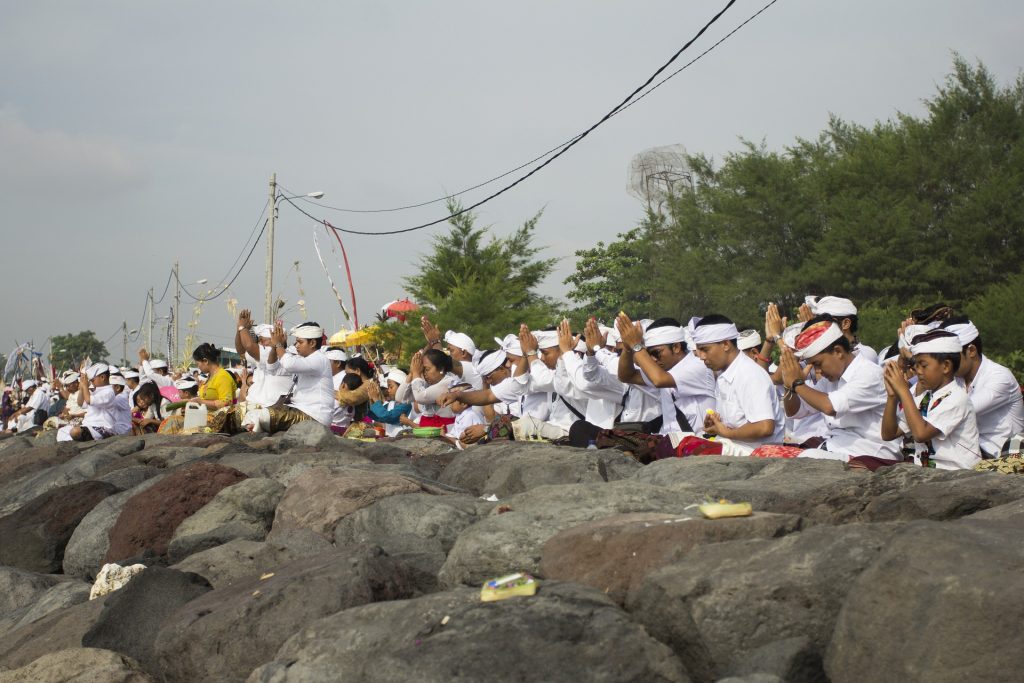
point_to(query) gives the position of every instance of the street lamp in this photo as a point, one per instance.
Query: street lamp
(268, 310)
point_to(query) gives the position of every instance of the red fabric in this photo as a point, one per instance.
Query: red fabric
(811, 334)
(435, 421)
(694, 445)
(776, 451)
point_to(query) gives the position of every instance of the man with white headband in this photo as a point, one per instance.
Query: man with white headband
(658, 357)
(845, 315)
(269, 381)
(36, 399)
(313, 395)
(992, 389)
(749, 412)
(941, 420)
(849, 392)
(99, 403)
(154, 369)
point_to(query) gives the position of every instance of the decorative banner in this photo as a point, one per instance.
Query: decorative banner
(316, 245)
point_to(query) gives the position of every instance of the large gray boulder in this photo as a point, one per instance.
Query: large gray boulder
(225, 634)
(565, 632)
(83, 556)
(242, 511)
(614, 554)
(61, 595)
(721, 605)
(34, 536)
(58, 630)
(417, 528)
(82, 467)
(285, 467)
(701, 470)
(134, 614)
(79, 665)
(510, 539)
(943, 602)
(506, 468)
(234, 561)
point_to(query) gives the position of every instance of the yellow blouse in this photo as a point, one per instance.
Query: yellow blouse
(220, 387)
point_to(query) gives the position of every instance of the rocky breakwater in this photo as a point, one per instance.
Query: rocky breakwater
(306, 557)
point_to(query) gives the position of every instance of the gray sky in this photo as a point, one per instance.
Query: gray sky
(133, 134)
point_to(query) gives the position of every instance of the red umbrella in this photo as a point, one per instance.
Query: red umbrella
(399, 308)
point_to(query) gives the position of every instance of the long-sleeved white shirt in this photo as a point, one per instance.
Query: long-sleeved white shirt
(314, 384)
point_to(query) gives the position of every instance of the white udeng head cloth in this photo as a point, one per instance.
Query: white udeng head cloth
(831, 305)
(460, 340)
(669, 334)
(936, 341)
(97, 369)
(397, 376)
(307, 332)
(492, 362)
(546, 339)
(711, 334)
(157, 363)
(748, 339)
(336, 354)
(910, 332)
(967, 332)
(264, 331)
(182, 384)
(510, 344)
(815, 339)
(28, 384)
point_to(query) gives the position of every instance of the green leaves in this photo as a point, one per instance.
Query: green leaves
(69, 350)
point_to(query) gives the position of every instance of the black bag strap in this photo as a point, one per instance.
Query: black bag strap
(569, 406)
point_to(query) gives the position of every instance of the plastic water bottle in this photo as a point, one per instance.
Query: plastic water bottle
(591, 445)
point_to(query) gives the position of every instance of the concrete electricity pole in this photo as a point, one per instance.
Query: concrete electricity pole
(149, 321)
(177, 306)
(268, 310)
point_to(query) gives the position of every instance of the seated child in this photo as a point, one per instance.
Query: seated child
(388, 411)
(941, 421)
(464, 417)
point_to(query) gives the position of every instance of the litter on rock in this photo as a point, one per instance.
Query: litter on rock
(513, 585)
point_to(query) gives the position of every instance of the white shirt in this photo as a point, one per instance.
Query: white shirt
(745, 393)
(101, 410)
(603, 392)
(467, 418)
(314, 384)
(693, 395)
(866, 351)
(427, 395)
(342, 415)
(158, 379)
(949, 410)
(269, 382)
(998, 405)
(858, 399)
(554, 385)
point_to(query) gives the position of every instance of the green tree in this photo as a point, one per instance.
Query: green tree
(612, 277)
(477, 283)
(69, 350)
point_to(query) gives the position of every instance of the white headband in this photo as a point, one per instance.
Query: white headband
(336, 354)
(710, 334)
(186, 384)
(460, 340)
(546, 339)
(131, 374)
(816, 345)
(492, 362)
(397, 376)
(947, 342)
(157, 363)
(264, 330)
(117, 380)
(28, 384)
(910, 332)
(659, 336)
(510, 344)
(967, 332)
(832, 305)
(73, 377)
(748, 339)
(97, 369)
(307, 332)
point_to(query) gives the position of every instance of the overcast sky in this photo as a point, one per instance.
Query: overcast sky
(134, 134)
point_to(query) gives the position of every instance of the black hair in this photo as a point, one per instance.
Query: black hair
(352, 381)
(963, 320)
(319, 341)
(933, 313)
(440, 360)
(716, 319)
(893, 350)
(359, 364)
(152, 392)
(207, 352)
(193, 391)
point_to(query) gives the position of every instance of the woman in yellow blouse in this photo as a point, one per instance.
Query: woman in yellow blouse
(219, 390)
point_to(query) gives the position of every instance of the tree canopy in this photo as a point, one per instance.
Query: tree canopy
(904, 213)
(69, 350)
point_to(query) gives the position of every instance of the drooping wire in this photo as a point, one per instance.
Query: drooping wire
(227, 286)
(569, 142)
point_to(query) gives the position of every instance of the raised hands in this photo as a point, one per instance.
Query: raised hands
(245, 318)
(895, 382)
(566, 341)
(526, 340)
(430, 331)
(279, 337)
(790, 367)
(774, 324)
(593, 336)
(416, 365)
(632, 333)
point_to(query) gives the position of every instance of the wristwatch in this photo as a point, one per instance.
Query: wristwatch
(637, 348)
(796, 383)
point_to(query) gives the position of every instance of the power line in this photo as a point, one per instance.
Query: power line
(237, 273)
(166, 287)
(525, 176)
(571, 141)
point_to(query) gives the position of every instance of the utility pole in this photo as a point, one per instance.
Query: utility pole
(177, 306)
(124, 342)
(268, 311)
(149, 323)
